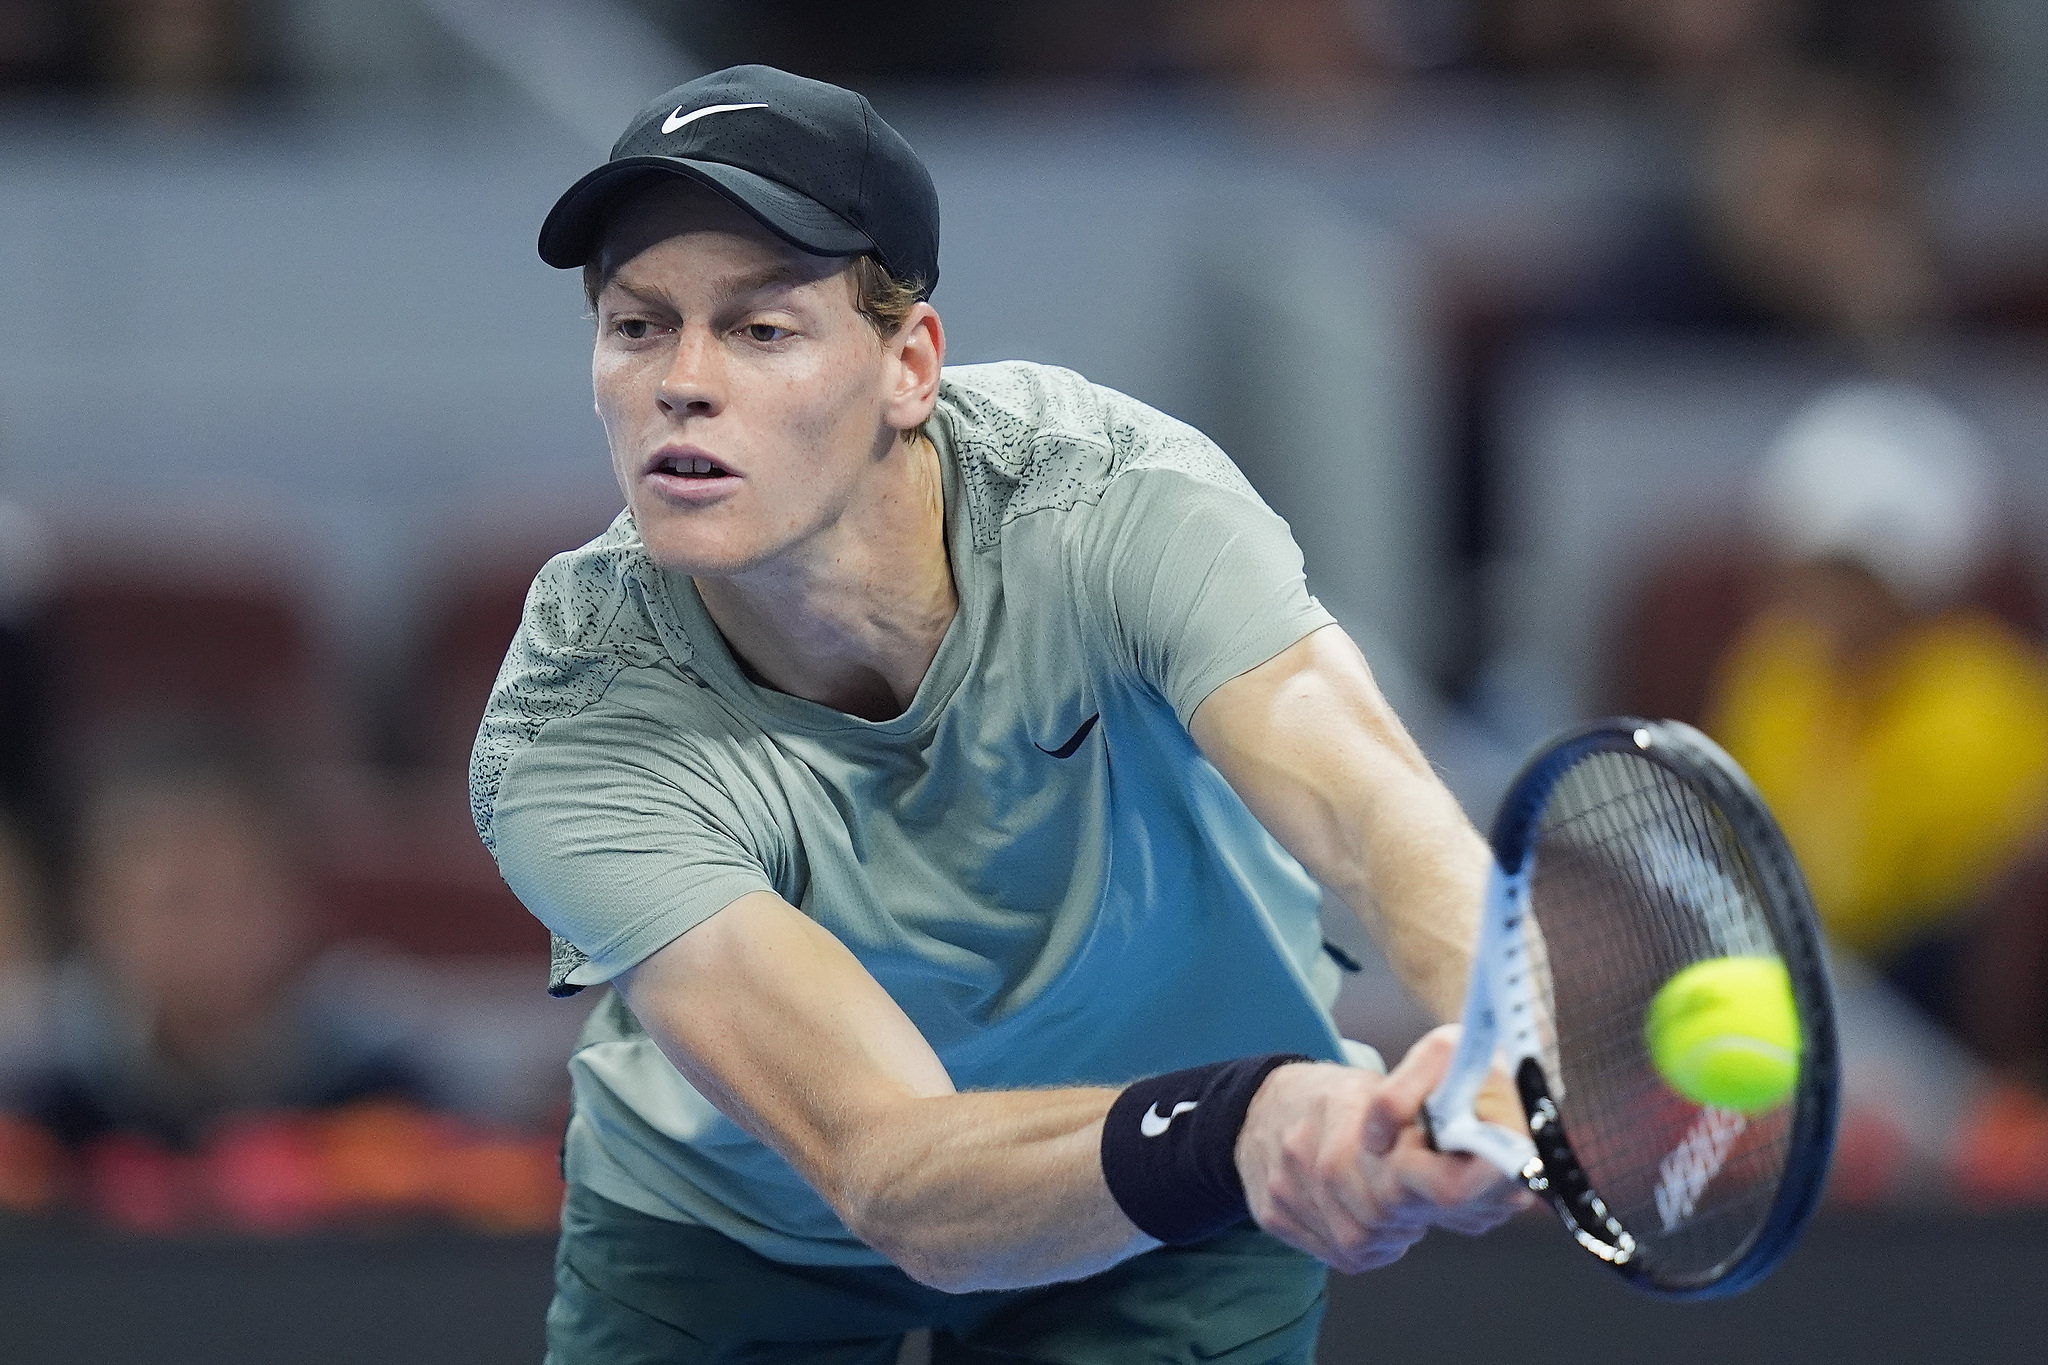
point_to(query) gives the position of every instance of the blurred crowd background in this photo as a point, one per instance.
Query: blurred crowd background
(1673, 357)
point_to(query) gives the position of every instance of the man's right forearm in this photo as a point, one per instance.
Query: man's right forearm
(776, 1023)
(991, 1190)
(1005, 1190)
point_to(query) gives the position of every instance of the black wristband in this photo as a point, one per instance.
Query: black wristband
(1169, 1147)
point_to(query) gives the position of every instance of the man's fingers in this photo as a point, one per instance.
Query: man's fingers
(1353, 1219)
(1398, 1100)
(1335, 1164)
(1441, 1179)
(1464, 1193)
(1412, 1189)
(1398, 1104)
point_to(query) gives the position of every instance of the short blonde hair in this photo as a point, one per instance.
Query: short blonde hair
(881, 298)
(886, 302)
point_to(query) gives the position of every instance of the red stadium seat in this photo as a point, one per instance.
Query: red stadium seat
(466, 628)
(129, 643)
(401, 865)
(465, 643)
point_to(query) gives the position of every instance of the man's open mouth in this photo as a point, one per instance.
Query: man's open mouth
(690, 467)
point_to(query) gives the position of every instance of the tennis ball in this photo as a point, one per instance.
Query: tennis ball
(1725, 1032)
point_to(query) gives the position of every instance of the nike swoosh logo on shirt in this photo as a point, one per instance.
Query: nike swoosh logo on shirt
(1154, 1123)
(1067, 750)
(679, 118)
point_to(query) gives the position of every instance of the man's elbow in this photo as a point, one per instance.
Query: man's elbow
(947, 1274)
(917, 1244)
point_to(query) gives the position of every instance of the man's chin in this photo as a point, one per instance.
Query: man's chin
(692, 556)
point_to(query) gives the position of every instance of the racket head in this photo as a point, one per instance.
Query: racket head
(1646, 849)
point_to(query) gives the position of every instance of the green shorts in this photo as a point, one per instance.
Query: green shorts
(636, 1290)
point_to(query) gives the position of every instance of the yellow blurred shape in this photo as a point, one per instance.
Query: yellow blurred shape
(1904, 785)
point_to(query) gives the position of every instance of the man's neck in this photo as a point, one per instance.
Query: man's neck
(855, 621)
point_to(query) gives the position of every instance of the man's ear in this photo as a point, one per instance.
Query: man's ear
(917, 353)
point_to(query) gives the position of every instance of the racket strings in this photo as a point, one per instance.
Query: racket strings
(1637, 875)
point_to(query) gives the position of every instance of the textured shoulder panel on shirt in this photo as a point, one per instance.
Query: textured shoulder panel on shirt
(1027, 437)
(1030, 438)
(588, 615)
(1145, 438)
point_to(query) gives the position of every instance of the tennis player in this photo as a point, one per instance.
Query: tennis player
(940, 766)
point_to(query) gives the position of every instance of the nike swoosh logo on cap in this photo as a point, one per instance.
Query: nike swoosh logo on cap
(1154, 1123)
(679, 118)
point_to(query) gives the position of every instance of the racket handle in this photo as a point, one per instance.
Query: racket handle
(1449, 1119)
(1508, 1151)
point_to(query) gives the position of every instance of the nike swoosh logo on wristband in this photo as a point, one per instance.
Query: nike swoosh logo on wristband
(1154, 1123)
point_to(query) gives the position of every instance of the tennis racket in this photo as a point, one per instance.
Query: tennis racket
(1625, 852)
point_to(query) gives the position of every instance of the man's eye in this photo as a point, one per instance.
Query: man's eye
(633, 329)
(765, 331)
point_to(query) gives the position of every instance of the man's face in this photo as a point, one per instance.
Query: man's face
(743, 396)
(194, 908)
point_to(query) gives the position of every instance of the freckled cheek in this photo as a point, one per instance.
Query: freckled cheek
(625, 399)
(608, 391)
(827, 410)
(617, 443)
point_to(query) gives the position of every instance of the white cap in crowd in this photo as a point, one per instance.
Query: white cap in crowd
(1885, 476)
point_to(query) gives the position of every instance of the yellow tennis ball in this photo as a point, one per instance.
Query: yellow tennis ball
(1725, 1032)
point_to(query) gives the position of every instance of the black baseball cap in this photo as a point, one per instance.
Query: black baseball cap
(814, 163)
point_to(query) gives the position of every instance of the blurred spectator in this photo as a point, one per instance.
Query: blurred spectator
(1807, 219)
(182, 1003)
(194, 1070)
(23, 940)
(1900, 736)
(184, 51)
(24, 966)
(1803, 218)
(1701, 46)
(1282, 42)
(26, 567)
(1285, 43)
(172, 54)
(1691, 40)
(44, 44)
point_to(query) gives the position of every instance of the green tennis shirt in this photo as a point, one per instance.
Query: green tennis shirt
(1034, 860)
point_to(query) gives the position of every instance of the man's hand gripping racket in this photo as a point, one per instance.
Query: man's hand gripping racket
(1643, 915)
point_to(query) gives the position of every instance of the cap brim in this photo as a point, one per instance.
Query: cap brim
(570, 235)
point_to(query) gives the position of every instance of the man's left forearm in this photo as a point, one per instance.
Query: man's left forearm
(1419, 888)
(1314, 750)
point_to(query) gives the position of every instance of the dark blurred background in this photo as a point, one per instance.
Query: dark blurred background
(1676, 357)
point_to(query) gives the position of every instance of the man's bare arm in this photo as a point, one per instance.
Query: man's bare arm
(1314, 750)
(778, 1024)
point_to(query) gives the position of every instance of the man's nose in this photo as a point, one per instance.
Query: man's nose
(693, 385)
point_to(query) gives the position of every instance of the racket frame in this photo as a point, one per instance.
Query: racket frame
(1502, 1009)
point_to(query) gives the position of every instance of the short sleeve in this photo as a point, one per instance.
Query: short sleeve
(621, 835)
(1193, 580)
